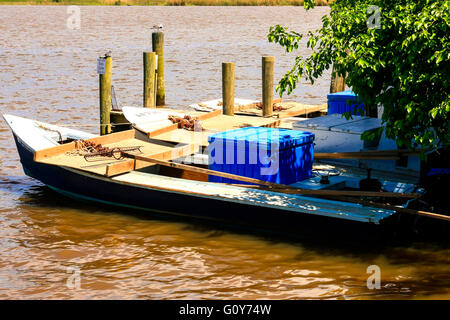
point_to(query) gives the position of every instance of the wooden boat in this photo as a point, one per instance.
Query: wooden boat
(48, 153)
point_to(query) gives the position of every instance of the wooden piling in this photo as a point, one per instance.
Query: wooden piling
(105, 82)
(337, 82)
(228, 88)
(158, 48)
(149, 79)
(267, 85)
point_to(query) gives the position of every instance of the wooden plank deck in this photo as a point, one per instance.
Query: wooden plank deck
(64, 155)
(212, 125)
(185, 137)
(292, 109)
(162, 138)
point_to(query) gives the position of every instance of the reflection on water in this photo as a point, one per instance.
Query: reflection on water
(48, 72)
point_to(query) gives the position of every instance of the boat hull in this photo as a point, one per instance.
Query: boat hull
(90, 187)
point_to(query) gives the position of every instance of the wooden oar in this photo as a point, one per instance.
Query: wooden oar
(358, 201)
(355, 156)
(370, 154)
(335, 194)
(395, 208)
(285, 188)
(363, 202)
(291, 190)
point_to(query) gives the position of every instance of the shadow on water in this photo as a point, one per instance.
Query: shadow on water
(41, 196)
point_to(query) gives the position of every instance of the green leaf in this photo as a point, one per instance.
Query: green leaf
(403, 65)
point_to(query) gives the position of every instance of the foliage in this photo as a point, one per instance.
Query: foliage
(401, 63)
(168, 2)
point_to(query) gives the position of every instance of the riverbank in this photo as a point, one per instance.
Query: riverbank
(163, 2)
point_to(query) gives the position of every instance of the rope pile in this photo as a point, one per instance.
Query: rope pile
(91, 150)
(276, 107)
(83, 148)
(187, 122)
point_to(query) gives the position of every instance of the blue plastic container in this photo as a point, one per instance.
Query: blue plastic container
(270, 154)
(341, 102)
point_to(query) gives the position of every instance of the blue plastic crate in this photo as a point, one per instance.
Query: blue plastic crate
(338, 103)
(270, 154)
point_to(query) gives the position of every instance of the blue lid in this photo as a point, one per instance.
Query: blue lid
(284, 138)
(342, 96)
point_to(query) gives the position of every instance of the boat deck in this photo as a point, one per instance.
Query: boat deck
(289, 202)
(292, 109)
(215, 124)
(66, 155)
(249, 107)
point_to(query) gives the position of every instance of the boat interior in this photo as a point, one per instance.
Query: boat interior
(325, 176)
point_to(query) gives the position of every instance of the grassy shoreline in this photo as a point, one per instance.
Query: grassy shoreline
(163, 2)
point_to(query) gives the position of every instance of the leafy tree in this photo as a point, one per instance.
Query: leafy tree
(394, 53)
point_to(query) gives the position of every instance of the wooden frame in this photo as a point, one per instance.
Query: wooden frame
(266, 185)
(63, 148)
(255, 105)
(137, 163)
(153, 133)
(210, 114)
(369, 154)
(301, 112)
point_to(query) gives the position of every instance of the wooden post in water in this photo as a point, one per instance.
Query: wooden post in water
(267, 85)
(228, 88)
(149, 79)
(104, 69)
(158, 48)
(337, 83)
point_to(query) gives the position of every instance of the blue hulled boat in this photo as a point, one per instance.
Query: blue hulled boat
(47, 154)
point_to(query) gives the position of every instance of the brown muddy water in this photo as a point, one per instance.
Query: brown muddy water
(47, 72)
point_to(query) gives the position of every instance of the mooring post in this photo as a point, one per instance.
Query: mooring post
(267, 85)
(149, 79)
(337, 82)
(228, 88)
(158, 48)
(104, 69)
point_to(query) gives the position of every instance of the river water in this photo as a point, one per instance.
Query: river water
(48, 72)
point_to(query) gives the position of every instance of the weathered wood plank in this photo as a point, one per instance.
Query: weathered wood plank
(369, 154)
(162, 130)
(118, 168)
(137, 163)
(209, 115)
(275, 186)
(301, 111)
(174, 126)
(114, 137)
(53, 151)
(63, 148)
